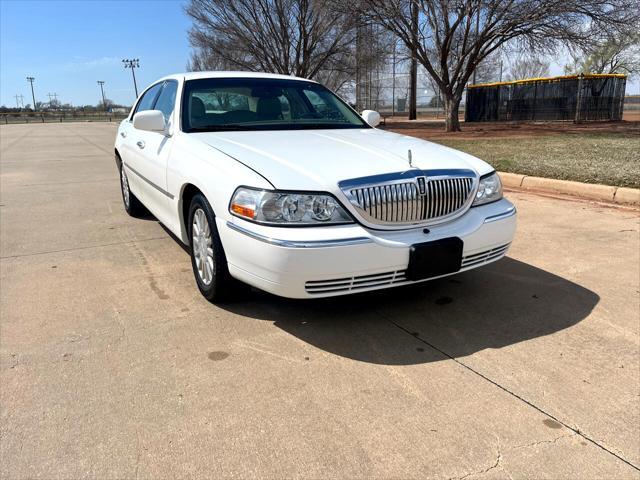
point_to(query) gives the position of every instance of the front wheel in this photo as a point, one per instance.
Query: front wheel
(207, 255)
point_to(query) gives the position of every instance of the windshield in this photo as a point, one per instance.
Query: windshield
(222, 104)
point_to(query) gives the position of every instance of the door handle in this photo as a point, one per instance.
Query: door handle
(140, 143)
(123, 134)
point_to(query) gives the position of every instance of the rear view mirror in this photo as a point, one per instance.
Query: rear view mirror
(149, 120)
(371, 117)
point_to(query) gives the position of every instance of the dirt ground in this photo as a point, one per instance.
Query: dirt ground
(432, 130)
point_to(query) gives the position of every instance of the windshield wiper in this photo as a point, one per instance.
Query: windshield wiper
(222, 128)
(235, 127)
(328, 125)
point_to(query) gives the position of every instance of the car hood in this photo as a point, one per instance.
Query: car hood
(319, 159)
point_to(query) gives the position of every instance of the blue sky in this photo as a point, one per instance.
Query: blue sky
(69, 45)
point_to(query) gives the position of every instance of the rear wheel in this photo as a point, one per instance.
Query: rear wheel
(207, 255)
(132, 205)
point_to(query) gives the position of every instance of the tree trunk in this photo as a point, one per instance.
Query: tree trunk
(413, 90)
(451, 111)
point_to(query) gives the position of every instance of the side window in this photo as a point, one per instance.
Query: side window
(147, 100)
(324, 106)
(315, 100)
(167, 99)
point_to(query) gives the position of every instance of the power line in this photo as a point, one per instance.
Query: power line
(132, 64)
(33, 95)
(54, 95)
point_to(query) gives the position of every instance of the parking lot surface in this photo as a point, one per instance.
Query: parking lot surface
(113, 366)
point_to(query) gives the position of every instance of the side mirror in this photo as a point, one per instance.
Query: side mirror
(150, 120)
(371, 117)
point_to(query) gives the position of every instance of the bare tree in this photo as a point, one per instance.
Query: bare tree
(106, 105)
(454, 36)
(305, 38)
(528, 66)
(611, 55)
(489, 69)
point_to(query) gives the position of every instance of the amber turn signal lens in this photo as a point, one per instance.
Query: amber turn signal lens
(243, 211)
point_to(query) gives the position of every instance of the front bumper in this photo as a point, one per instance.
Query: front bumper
(326, 261)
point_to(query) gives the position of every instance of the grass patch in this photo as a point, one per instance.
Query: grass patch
(611, 159)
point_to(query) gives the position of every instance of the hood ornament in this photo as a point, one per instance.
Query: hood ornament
(410, 159)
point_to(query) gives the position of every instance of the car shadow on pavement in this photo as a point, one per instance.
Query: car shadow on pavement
(499, 305)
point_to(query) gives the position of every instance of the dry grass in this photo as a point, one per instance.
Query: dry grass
(611, 159)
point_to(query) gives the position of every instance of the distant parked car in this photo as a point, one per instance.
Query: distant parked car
(275, 182)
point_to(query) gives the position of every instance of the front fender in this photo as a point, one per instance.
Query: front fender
(193, 164)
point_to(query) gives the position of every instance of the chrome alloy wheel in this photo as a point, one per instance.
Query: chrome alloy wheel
(201, 244)
(125, 186)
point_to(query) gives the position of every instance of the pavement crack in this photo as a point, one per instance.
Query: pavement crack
(88, 247)
(495, 465)
(540, 442)
(513, 394)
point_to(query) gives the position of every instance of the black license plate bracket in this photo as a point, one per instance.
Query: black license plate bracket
(432, 259)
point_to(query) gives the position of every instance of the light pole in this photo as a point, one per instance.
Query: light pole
(33, 95)
(132, 64)
(104, 102)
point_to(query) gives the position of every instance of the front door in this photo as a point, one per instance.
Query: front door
(150, 154)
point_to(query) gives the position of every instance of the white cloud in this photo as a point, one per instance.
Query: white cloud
(90, 64)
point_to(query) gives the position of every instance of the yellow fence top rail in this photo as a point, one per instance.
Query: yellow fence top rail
(550, 79)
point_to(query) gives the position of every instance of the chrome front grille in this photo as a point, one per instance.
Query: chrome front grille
(421, 198)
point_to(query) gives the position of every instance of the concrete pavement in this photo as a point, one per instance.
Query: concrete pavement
(113, 366)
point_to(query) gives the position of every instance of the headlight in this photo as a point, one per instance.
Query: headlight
(489, 189)
(287, 208)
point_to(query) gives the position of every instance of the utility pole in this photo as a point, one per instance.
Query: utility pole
(55, 98)
(104, 102)
(413, 76)
(132, 64)
(33, 95)
(19, 100)
(393, 85)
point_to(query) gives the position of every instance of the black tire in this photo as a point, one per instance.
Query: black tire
(222, 287)
(132, 205)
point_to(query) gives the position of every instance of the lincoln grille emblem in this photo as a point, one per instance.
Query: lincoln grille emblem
(422, 185)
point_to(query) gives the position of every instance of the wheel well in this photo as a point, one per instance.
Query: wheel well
(188, 192)
(118, 159)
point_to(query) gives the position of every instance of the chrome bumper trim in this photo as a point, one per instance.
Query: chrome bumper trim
(340, 242)
(500, 216)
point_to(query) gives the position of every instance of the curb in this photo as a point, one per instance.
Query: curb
(591, 191)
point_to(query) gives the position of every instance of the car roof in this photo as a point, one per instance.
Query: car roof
(230, 74)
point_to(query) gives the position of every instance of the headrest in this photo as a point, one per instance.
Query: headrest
(197, 108)
(269, 108)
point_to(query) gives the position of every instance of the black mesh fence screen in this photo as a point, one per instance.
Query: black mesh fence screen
(585, 98)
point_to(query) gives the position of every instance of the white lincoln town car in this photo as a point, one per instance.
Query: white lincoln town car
(275, 182)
